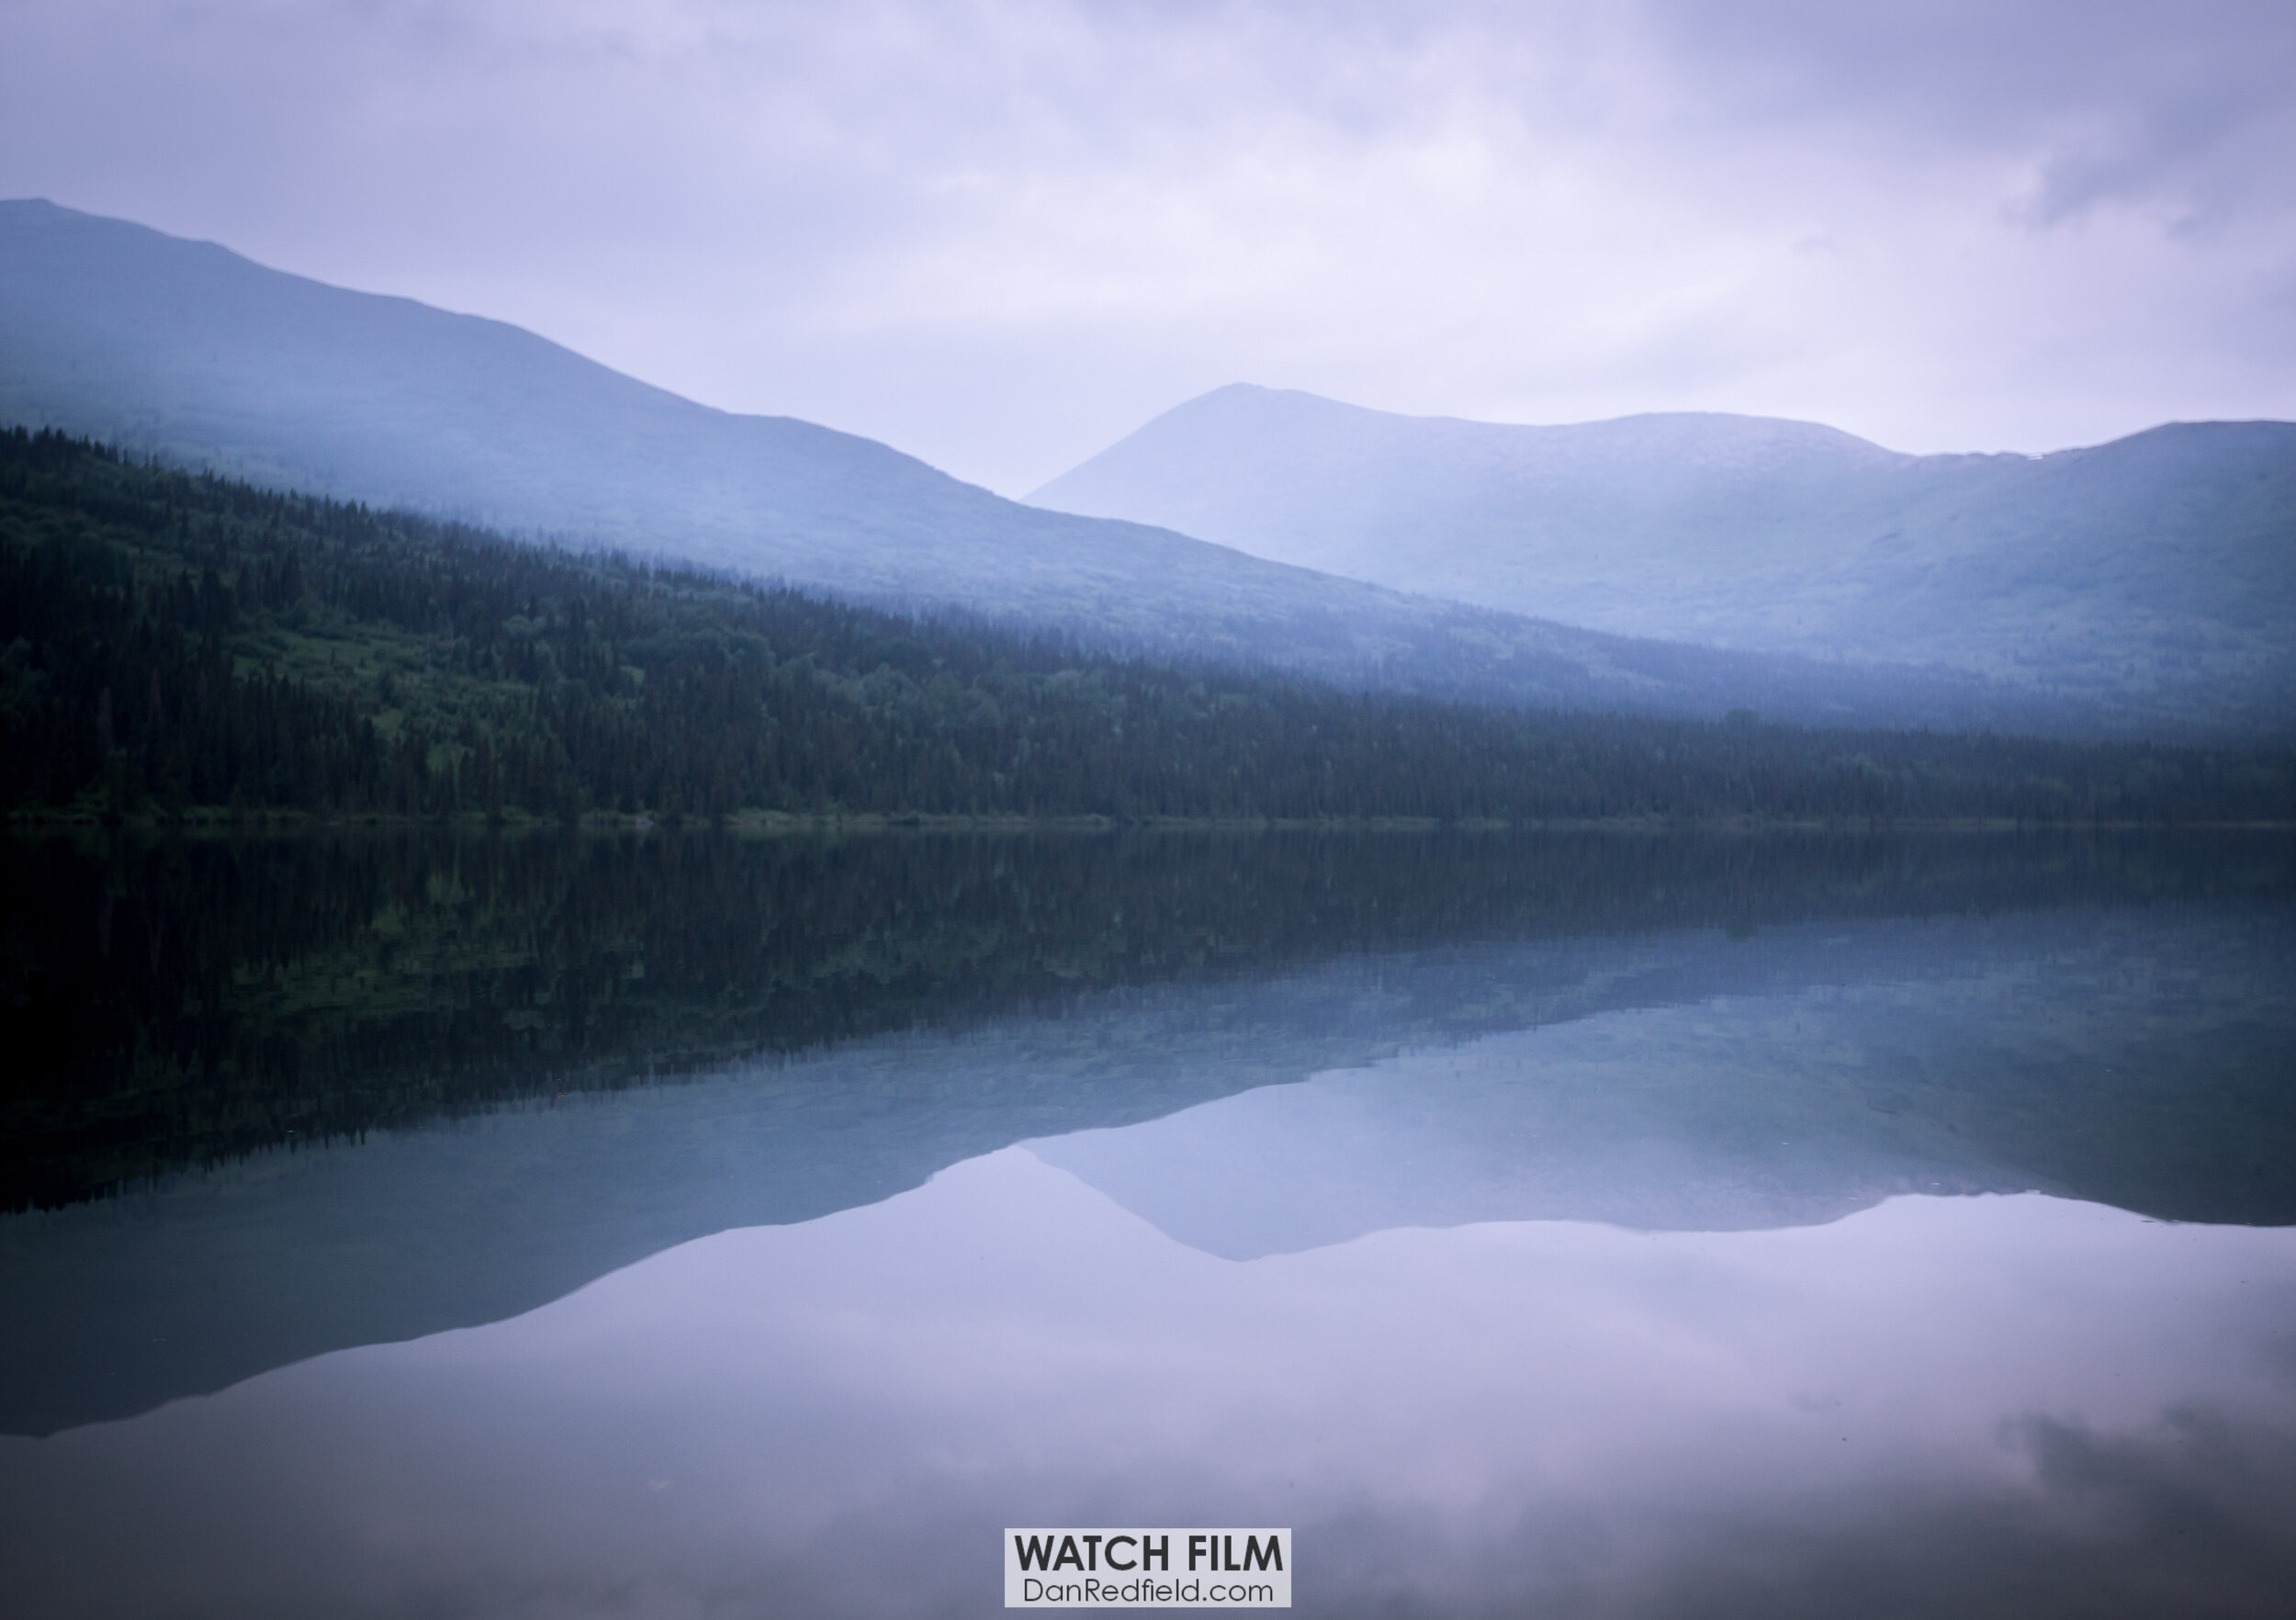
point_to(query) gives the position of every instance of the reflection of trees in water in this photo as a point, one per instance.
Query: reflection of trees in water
(175, 1003)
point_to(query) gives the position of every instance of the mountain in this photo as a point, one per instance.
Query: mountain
(178, 645)
(189, 353)
(2159, 568)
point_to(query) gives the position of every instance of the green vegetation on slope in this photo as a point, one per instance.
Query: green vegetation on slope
(169, 641)
(189, 352)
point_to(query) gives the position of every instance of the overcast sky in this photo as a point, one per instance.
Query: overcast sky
(1002, 235)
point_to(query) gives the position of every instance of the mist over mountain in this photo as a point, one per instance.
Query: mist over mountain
(2157, 568)
(187, 351)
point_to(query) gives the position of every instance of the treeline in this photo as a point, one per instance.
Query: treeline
(170, 642)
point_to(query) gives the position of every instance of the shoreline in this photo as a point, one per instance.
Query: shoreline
(780, 823)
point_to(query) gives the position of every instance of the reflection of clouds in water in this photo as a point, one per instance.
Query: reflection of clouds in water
(1927, 1407)
(2186, 1514)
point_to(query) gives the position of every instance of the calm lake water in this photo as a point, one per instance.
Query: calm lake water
(1585, 1225)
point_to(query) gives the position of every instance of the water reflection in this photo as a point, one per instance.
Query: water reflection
(2142, 1059)
(1982, 1405)
(178, 1004)
(1584, 1225)
(1682, 1079)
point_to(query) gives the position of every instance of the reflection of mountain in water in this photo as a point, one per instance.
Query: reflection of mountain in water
(2122, 1051)
(2141, 1060)
(176, 1004)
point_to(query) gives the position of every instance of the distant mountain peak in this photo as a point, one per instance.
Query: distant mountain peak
(2163, 562)
(1221, 424)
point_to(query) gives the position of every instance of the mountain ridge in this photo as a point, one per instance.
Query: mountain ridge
(194, 354)
(2159, 566)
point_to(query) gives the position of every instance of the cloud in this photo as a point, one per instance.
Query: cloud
(2179, 108)
(1001, 234)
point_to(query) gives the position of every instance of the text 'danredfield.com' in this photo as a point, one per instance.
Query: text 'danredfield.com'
(1147, 1568)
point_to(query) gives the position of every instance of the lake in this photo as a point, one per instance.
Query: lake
(1563, 1224)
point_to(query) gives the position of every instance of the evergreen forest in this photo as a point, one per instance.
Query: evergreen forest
(175, 645)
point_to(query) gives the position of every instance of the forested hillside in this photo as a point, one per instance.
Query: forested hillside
(174, 642)
(186, 352)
